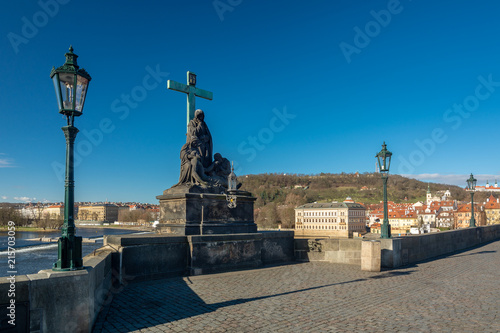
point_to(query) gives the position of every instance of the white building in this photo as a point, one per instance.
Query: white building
(488, 187)
(337, 219)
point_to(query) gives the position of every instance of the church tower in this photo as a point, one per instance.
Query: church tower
(429, 195)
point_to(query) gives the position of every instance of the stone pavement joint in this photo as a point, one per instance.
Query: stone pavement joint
(458, 293)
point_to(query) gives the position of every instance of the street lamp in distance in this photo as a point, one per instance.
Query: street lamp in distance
(384, 162)
(471, 187)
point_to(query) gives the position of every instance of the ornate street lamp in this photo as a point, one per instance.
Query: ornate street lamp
(471, 187)
(384, 162)
(70, 83)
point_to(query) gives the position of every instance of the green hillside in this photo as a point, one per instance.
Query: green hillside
(278, 194)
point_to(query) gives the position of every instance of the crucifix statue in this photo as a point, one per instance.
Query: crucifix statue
(191, 91)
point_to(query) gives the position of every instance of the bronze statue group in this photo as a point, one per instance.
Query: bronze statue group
(197, 166)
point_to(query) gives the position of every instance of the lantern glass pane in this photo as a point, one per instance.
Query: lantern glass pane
(81, 92)
(55, 79)
(67, 82)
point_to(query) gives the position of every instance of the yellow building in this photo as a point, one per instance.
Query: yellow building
(99, 213)
(492, 211)
(401, 221)
(335, 219)
(462, 216)
(54, 212)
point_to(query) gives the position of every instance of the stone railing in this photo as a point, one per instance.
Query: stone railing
(339, 251)
(393, 252)
(59, 301)
(144, 257)
(70, 301)
(407, 250)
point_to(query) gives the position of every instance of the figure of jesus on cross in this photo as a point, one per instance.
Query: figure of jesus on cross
(191, 91)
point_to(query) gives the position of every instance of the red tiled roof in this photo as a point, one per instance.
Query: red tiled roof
(492, 203)
(466, 208)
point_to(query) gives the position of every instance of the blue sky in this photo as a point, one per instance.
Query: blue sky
(298, 88)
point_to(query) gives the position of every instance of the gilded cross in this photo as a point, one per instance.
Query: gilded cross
(191, 91)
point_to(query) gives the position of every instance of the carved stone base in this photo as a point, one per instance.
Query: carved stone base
(183, 211)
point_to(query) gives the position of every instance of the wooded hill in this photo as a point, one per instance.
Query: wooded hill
(278, 194)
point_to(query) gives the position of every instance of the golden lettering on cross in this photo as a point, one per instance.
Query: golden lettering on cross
(191, 91)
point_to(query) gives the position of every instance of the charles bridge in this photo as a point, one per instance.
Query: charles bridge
(456, 293)
(267, 282)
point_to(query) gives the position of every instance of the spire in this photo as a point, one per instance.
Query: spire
(428, 188)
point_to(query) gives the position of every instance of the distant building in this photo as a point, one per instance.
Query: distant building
(438, 196)
(463, 215)
(402, 221)
(375, 228)
(444, 219)
(99, 213)
(32, 211)
(54, 212)
(335, 219)
(488, 188)
(427, 216)
(155, 213)
(492, 211)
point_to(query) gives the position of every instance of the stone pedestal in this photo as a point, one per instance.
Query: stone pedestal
(193, 211)
(370, 256)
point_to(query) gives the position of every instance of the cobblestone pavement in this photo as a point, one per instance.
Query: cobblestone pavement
(459, 293)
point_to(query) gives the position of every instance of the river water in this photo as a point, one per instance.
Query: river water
(33, 256)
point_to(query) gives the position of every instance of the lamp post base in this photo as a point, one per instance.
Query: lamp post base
(69, 254)
(385, 230)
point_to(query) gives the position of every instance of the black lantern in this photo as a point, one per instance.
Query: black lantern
(71, 83)
(384, 159)
(471, 183)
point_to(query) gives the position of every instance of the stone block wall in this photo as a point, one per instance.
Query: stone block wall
(277, 247)
(215, 253)
(143, 257)
(153, 256)
(61, 301)
(340, 251)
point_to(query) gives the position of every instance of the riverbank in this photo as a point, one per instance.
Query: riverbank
(34, 229)
(37, 249)
(112, 226)
(117, 226)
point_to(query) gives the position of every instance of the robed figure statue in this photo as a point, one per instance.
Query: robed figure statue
(198, 166)
(200, 138)
(192, 170)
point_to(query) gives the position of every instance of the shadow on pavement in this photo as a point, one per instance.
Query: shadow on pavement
(163, 301)
(473, 254)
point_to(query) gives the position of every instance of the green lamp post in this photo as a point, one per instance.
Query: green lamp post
(70, 83)
(384, 162)
(471, 187)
